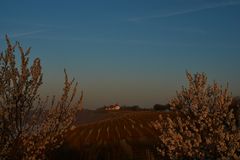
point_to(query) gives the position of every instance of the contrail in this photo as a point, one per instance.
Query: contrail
(25, 33)
(219, 5)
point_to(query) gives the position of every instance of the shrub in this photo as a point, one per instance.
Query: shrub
(131, 108)
(203, 125)
(160, 107)
(29, 127)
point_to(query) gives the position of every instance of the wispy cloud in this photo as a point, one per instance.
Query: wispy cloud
(14, 35)
(187, 11)
(51, 26)
(22, 34)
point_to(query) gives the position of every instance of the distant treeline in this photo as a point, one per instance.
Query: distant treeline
(166, 107)
(132, 108)
(156, 107)
(161, 107)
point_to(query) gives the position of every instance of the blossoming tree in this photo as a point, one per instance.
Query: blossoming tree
(202, 124)
(30, 127)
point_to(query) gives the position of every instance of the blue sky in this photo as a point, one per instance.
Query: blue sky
(128, 51)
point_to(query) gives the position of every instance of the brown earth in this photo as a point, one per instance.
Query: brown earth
(118, 135)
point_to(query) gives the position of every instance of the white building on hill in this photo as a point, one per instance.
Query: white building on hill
(112, 107)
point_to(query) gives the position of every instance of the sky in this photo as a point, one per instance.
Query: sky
(131, 52)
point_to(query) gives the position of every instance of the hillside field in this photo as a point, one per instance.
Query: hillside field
(112, 135)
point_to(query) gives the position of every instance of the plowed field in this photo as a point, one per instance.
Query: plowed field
(122, 135)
